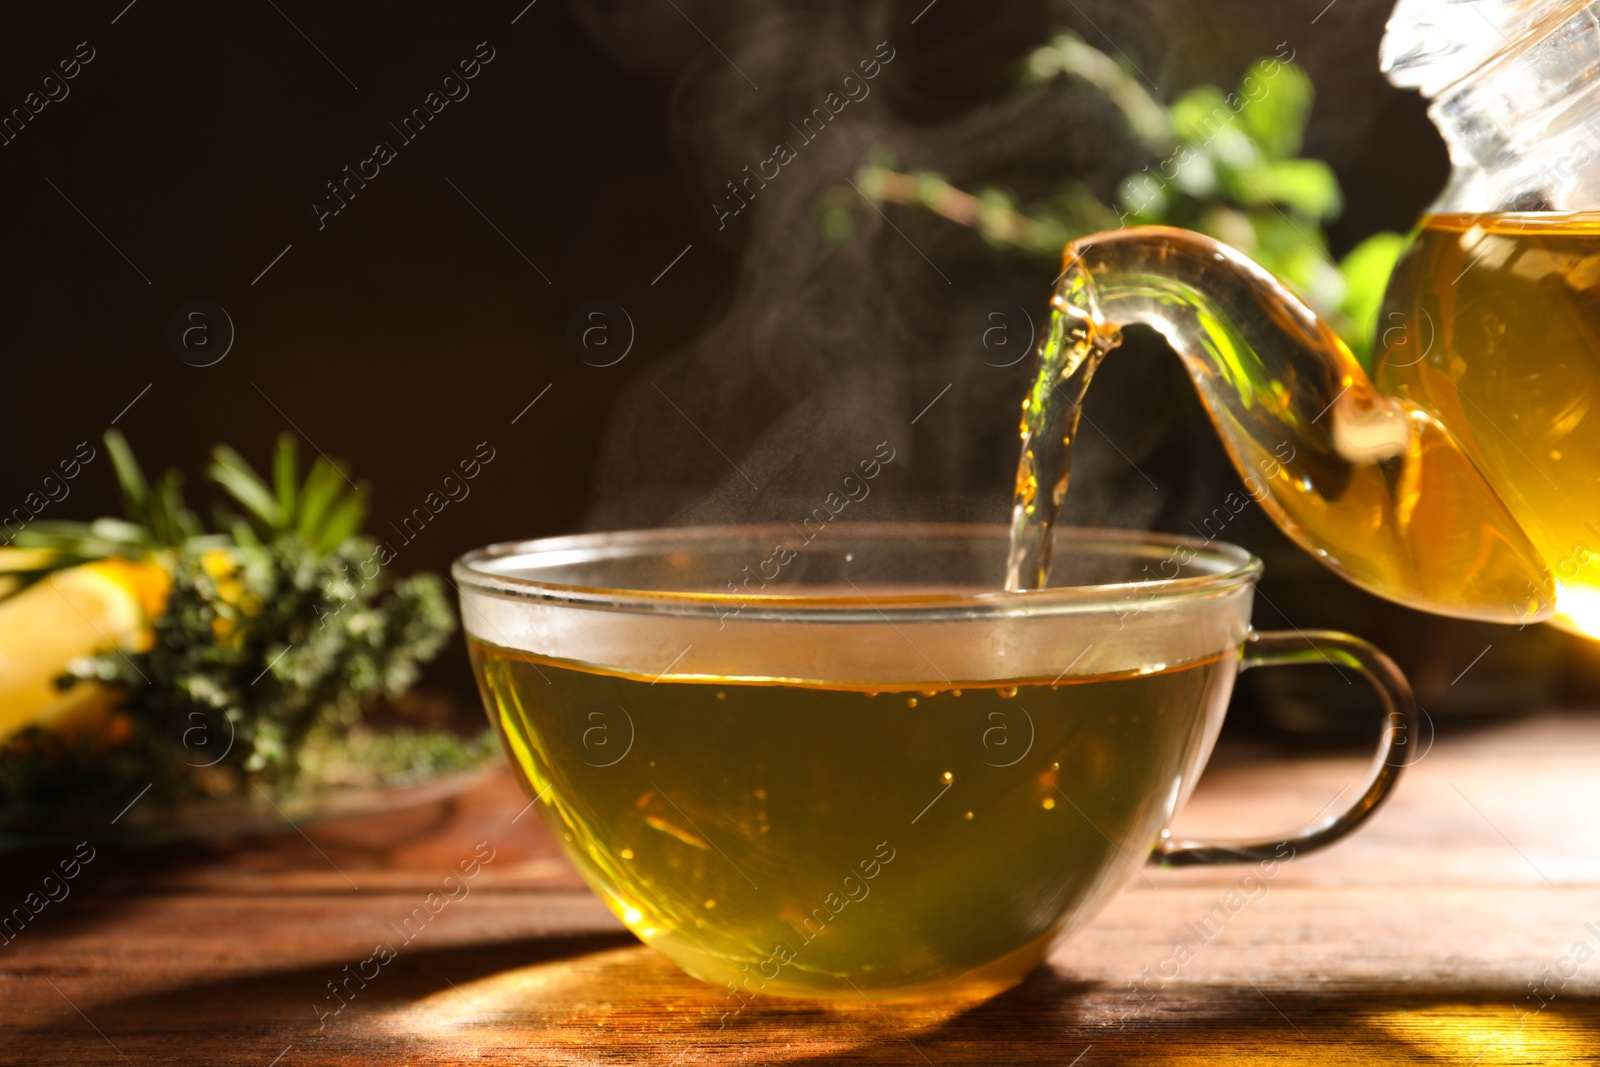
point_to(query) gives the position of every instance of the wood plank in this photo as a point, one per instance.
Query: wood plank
(1414, 942)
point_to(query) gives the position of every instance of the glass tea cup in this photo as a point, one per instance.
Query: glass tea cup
(851, 764)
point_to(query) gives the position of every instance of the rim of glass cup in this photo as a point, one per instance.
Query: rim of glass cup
(1230, 566)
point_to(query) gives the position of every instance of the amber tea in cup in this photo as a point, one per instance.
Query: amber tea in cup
(875, 773)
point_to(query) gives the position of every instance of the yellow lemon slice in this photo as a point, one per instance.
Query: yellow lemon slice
(71, 613)
(24, 559)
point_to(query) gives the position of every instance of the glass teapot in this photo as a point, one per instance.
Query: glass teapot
(1462, 477)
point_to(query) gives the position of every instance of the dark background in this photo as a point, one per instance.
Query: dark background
(414, 326)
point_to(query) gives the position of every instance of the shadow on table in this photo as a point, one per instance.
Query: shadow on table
(607, 999)
(237, 1019)
(116, 875)
(77, 889)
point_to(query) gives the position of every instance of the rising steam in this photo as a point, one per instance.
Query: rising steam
(828, 350)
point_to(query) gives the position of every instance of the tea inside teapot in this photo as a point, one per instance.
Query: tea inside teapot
(1498, 320)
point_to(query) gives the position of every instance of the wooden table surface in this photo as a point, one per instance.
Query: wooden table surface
(1417, 940)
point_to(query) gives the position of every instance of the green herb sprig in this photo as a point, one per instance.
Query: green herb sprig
(1226, 165)
(272, 640)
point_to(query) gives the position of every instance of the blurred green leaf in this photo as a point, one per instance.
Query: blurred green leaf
(1200, 114)
(166, 502)
(346, 518)
(322, 488)
(1305, 186)
(1068, 54)
(240, 480)
(285, 475)
(1366, 271)
(1275, 103)
(135, 491)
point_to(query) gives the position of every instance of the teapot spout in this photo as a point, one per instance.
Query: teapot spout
(1375, 487)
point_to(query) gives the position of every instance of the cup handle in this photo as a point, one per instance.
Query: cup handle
(1399, 710)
